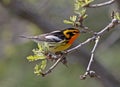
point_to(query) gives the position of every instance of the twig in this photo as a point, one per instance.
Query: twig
(53, 66)
(101, 4)
(96, 37)
(88, 71)
(108, 27)
(92, 52)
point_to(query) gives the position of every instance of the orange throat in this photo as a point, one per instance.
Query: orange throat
(73, 38)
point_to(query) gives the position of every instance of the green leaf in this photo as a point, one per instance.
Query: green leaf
(73, 18)
(40, 67)
(43, 64)
(117, 15)
(40, 47)
(82, 13)
(85, 16)
(76, 6)
(37, 70)
(36, 57)
(81, 3)
(39, 53)
(68, 22)
(31, 58)
(88, 1)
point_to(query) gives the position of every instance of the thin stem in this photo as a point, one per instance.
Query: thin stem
(101, 4)
(92, 52)
(108, 27)
(83, 43)
(53, 66)
(88, 71)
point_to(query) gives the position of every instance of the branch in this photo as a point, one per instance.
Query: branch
(101, 4)
(60, 58)
(96, 37)
(108, 27)
(88, 71)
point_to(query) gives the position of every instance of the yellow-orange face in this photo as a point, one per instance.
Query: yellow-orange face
(71, 34)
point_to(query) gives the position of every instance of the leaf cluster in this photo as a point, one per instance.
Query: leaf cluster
(80, 12)
(39, 54)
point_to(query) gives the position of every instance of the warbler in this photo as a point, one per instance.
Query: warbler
(56, 41)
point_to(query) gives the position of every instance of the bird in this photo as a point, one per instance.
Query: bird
(56, 41)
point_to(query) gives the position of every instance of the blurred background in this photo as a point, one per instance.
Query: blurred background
(34, 17)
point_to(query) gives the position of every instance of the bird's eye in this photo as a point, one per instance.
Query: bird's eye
(74, 32)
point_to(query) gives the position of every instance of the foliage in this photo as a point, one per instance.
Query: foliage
(39, 54)
(71, 21)
(40, 67)
(79, 10)
(117, 16)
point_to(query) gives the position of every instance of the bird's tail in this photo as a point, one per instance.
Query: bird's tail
(22, 36)
(33, 38)
(28, 37)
